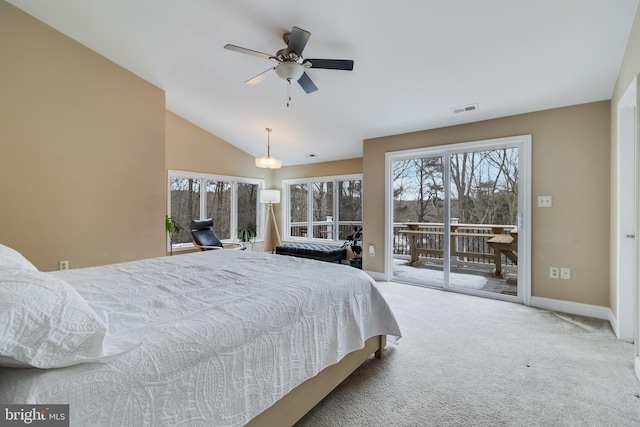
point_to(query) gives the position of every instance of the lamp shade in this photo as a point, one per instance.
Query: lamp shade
(268, 162)
(270, 196)
(290, 71)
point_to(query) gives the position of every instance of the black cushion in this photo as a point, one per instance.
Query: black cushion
(317, 251)
(203, 234)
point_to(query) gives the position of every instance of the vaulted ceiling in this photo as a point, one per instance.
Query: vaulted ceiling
(415, 62)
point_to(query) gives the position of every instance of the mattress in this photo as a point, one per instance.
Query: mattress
(222, 336)
(313, 250)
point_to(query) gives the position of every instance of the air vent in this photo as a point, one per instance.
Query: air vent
(465, 108)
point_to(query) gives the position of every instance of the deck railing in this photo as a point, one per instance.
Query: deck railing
(470, 246)
(469, 242)
(326, 230)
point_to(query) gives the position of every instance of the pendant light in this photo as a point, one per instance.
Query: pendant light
(268, 162)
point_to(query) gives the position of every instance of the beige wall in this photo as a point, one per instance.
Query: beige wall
(82, 143)
(340, 167)
(190, 148)
(570, 161)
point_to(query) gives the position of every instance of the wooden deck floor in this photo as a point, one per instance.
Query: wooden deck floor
(493, 284)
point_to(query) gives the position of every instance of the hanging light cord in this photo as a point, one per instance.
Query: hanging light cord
(269, 142)
(288, 92)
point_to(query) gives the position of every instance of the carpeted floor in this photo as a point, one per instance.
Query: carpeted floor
(469, 361)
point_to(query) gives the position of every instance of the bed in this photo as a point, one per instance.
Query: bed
(216, 338)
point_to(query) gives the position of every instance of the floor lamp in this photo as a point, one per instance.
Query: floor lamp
(271, 197)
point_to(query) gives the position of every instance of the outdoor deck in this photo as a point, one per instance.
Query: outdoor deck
(481, 254)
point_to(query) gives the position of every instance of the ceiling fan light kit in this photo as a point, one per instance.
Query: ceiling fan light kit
(268, 162)
(290, 71)
(291, 65)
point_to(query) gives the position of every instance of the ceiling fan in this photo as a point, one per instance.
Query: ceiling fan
(290, 65)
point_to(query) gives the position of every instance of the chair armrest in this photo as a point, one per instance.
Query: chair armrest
(206, 247)
(232, 245)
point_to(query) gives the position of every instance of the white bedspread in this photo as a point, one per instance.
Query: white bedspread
(224, 335)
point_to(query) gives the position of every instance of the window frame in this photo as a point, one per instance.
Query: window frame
(286, 204)
(234, 181)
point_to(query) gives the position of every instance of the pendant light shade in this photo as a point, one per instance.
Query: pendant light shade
(268, 162)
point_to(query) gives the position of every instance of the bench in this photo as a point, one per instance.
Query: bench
(319, 251)
(507, 245)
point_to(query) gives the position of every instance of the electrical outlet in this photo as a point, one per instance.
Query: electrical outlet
(554, 272)
(545, 201)
(565, 273)
(63, 265)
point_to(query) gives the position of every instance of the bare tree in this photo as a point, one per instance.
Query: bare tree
(483, 187)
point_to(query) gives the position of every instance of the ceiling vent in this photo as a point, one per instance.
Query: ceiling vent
(465, 108)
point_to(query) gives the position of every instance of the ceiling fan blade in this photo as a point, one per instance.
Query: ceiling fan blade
(331, 64)
(307, 84)
(260, 77)
(298, 39)
(250, 52)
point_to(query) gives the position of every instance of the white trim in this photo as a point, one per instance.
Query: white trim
(286, 202)
(636, 366)
(388, 218)
(347, 177)
(216, 177)
(524, 221)
(377, 276)
(595, 311)
(233, 181)
(613, 322)
(626, 263)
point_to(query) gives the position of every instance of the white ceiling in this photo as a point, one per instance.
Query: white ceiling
(414, 61)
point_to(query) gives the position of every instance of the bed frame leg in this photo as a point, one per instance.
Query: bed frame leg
(382, 343)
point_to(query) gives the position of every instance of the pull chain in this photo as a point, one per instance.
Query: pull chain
(288, 92)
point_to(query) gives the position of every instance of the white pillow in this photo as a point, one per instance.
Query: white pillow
(10, 258)
(45, 323)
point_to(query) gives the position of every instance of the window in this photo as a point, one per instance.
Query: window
(322, 208)
(231, 202)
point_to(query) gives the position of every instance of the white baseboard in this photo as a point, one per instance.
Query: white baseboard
(614, 323)
(377, 276)
(578, 308)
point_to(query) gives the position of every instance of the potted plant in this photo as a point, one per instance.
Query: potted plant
(354, 241)
(248, 233)
(172, 228)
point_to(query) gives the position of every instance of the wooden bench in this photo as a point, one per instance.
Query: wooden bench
(506, 244)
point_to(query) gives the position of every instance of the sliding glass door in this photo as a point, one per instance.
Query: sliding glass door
(457, 214)
(418, 217)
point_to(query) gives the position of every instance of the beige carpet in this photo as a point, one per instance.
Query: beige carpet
(468, 361)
